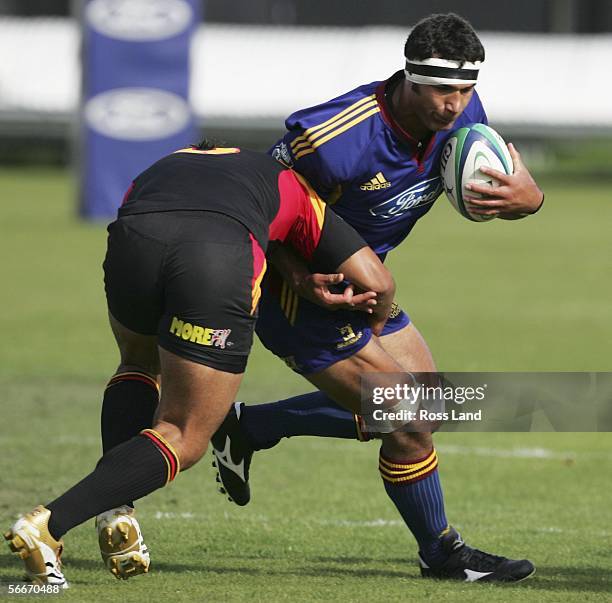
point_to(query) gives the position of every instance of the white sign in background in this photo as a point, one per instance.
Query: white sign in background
(265, 73)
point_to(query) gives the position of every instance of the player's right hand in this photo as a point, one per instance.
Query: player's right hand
(316, 289)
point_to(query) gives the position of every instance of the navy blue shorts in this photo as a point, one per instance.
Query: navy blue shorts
(308, 337)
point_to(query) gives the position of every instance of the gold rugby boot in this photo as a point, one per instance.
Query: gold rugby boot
(121, 545)
(30, 539)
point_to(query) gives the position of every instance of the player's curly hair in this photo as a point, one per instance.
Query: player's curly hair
(206, 144)
(447, 36)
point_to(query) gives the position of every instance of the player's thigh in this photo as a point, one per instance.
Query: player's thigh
(195, 399)
(342, 380)
(409, 349)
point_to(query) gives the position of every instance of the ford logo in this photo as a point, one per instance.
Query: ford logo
(422, 193)
(137, 113)
(139, 20)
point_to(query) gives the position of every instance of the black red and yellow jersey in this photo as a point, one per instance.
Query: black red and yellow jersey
(271, 201)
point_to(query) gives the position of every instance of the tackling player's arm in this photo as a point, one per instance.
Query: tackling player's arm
(344, 251)
(341, 248)
(316, 287)
(329, 244)
(365, 270)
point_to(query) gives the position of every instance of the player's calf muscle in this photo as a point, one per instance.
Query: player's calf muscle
(195, 400)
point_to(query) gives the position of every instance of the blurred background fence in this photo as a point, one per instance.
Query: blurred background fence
(253, 62)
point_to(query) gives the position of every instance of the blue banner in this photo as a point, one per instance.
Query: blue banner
(135, 93)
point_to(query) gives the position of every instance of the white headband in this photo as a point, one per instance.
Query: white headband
(436, 71)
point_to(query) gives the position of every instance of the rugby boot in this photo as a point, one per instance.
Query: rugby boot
(30, 539)
(471, 565)
(233, 456)
(121, 545)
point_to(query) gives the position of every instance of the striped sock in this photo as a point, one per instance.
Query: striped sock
(414, 487)
(169, 455)
(127, 472)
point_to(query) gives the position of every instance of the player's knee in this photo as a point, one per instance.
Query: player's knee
(186, 442)
(144, 360)
(407, 444)
(151, 369)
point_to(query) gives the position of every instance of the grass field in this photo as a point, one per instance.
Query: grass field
(530, 295)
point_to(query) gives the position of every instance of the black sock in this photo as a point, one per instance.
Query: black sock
(127, 472)
(129, 403)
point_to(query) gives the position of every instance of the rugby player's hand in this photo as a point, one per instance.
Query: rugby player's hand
(316, 289)
(513, 196)
(365, 270)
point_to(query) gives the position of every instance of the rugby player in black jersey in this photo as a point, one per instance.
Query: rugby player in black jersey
(183, 270)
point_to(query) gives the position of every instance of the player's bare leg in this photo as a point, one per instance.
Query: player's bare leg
(130, 401)
(408, 465)
(407, 462)
(195, 400)
(342, 382)
(408, 348)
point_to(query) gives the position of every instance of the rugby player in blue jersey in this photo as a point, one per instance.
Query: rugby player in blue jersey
(373, 153)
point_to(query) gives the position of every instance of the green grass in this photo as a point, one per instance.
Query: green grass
(573, 160)
(529, 295)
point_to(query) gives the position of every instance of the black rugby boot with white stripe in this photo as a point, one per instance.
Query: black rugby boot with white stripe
(233, 456)
(471, 565)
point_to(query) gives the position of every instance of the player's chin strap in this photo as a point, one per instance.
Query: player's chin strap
(436, 72)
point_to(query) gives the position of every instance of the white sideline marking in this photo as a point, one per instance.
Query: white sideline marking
(341, 523)
(332, 444)
(170, 515)
(336, 523)
(262, 519)
(526, 453)
(523, 453)
(372, 523)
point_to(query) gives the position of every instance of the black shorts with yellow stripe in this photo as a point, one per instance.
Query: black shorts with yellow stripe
(190, 277)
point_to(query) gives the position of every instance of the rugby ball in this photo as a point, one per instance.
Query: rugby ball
(466, 151)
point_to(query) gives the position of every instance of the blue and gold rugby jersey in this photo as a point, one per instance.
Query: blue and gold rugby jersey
(378, 178)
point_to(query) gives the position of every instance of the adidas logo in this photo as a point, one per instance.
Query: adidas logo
(375, 184)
